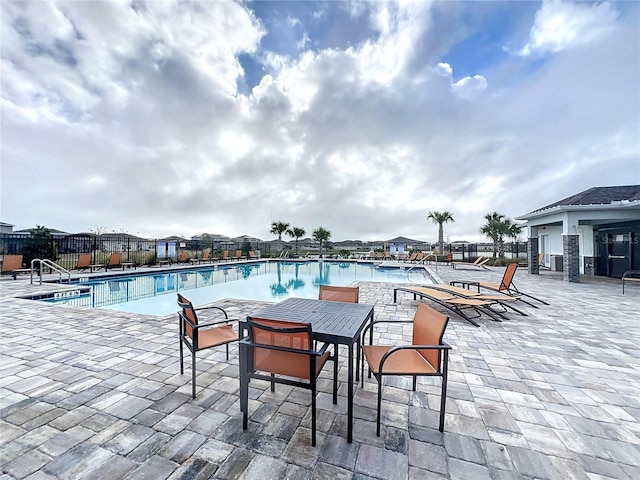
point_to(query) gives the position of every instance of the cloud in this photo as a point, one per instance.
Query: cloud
(132, 118)
(560, 25)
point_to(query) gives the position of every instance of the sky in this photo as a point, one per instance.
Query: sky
(178, 118)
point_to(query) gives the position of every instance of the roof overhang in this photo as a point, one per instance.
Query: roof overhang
(619, 211)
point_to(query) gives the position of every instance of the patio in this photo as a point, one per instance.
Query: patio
(97, 394)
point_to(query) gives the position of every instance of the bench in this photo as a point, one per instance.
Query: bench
(630, 276)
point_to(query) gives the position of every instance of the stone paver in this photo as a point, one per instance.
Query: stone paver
(552, 395)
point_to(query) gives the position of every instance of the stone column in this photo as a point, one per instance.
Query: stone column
(571, 258)
(532, 256)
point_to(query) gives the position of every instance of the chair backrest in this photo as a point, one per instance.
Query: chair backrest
(225, 254)
(540, 258)
(428, 329)
(238, 253)
(339, 294)
(188, 313)
(205, 254)
(84, 260)
(183, 256)
(507, 278)
(252, 254)
(292, 341)
(11, 262)
(114, 259)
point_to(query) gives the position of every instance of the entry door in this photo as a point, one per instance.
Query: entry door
(618, 258)
(544, 248)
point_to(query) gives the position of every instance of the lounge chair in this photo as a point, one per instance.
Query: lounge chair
(252, 255)
(504, 301)
(453, 302)
(12, 265)
(201, 336)
(480, 261)
(225, 255)
(184, 257)
(427, 355)
(507, 287)
(632, 276)
(115, 260)
(206, 257)
(84, 262)
(239, 255)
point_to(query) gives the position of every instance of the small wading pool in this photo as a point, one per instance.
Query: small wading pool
(154, 293)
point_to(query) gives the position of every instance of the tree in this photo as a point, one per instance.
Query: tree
(497, 227)
(40, 245)
(278, 228)
(440, 218)
(297, 233)
(246, 247)
(321, 235)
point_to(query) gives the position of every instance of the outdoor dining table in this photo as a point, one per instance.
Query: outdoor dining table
(332, 322)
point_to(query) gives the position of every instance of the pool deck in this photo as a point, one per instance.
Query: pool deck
(97, 394)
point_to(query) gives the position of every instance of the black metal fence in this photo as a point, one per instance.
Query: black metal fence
(134, 250)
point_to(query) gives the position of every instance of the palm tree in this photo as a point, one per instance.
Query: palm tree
(511, 230)
(278, 228)
(495, 229)
(440, 218)
(321, 235)
(297, 233)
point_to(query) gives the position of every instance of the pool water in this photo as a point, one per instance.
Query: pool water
(155, 294)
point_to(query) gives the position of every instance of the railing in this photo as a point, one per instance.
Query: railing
(53, 266)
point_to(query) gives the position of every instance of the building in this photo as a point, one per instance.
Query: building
(595, 232)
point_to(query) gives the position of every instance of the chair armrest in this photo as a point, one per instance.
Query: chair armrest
(391, 351)
(212, 307)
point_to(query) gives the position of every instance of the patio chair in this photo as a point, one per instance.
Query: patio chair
(225, 255)
(505, 301)
(347, 295)
(252, 255)
(84, 262)
(507, 286)
(457, 304)
(12, 265)
(427, 355)
(201, 336)
(184, 257)
(239, 255)
(281, 352)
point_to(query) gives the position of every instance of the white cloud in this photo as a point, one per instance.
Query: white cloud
(145, 128)
(560, 25)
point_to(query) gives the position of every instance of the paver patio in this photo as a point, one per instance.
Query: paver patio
(97, 394)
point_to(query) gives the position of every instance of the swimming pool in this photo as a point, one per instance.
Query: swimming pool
(154, 293)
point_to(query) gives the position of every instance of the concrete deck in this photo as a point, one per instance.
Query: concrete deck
(97, 394)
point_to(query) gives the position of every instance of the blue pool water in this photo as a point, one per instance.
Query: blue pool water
(155, 294)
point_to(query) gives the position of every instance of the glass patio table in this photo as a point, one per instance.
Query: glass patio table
(332, 322)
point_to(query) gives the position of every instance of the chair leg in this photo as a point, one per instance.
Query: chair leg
(273, 384)
(335, 373)
(181, 357)
(244, 387)
(313, 415)
(227, 351)
(193, 374)
(443, 392)
(415, 378)
(379, 378)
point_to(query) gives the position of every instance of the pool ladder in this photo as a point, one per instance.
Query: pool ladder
(52, 265)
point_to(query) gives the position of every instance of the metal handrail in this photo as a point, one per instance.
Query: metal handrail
(52, 266)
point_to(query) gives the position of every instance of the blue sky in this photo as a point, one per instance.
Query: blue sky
(162, 118)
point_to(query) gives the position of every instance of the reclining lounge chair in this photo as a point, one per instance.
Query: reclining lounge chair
(507, 286)
(455, 303)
